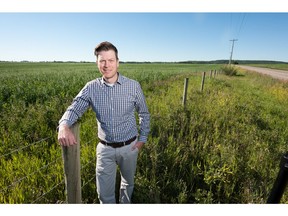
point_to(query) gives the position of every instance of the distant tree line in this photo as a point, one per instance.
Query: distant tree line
(178, 62)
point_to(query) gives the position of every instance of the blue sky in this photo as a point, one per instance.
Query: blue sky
(160, 36)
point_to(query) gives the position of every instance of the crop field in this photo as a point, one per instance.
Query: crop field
(225, 146)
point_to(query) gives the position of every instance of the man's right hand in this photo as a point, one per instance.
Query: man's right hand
(65, 136)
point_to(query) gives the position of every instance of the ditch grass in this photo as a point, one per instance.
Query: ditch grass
(224, 147)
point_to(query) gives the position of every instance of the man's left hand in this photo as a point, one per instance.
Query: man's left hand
(138, 145)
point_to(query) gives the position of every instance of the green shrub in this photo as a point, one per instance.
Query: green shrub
(229, 70)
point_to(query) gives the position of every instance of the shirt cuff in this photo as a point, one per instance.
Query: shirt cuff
(64, 122)
(142, 139)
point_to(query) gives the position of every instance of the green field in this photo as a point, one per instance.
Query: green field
(223, 147)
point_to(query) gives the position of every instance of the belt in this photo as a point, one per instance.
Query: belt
(118, 144)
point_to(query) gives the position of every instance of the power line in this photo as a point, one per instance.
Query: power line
(240, 28)
(233, 40)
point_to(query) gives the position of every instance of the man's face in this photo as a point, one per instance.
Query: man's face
(108, 64)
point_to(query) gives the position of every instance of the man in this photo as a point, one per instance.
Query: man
(114, 99)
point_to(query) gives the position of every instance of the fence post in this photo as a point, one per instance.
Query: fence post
(203, 80)
(185, 91)
(71, 158)
(280, 182)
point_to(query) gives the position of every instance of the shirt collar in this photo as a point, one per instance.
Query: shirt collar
(119, 80)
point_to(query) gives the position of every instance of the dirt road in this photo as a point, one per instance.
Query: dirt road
(277, 74)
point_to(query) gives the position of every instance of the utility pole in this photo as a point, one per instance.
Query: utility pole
(233, 40)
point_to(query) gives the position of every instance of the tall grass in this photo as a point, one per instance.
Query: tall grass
(224, 147)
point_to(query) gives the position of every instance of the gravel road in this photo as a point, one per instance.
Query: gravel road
(277, 74)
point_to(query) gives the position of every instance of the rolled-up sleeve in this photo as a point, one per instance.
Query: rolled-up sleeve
(144, 115)
(79, 105)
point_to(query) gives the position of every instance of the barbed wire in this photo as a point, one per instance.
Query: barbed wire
(19, 149)
(94, 139)
(85, 183)
(44, 167)
(89, 162)
(94, 176)
(51, 189)
(30, 174)
(44, 139)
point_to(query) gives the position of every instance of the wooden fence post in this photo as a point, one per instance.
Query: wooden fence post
(71, 158)
(203, 80)
(280, 182)
(185, 91)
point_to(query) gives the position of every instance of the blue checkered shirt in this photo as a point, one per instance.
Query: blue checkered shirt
(115, 108)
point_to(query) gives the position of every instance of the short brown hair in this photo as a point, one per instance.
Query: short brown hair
(105, 46)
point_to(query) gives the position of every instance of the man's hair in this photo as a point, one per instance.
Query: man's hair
(105, 46)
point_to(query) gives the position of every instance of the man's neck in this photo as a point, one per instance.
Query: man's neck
(111, 80)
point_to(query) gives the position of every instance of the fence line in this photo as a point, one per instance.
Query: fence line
(19, 149)
(77, 199)
(94, 176)
(89, 162)
(21, 179)
(51, 189)
(82, 167)
(37, 142)
(184, 98)
(16, 150)
(44, 139)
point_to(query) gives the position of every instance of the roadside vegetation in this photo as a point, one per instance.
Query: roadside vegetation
(229, 70)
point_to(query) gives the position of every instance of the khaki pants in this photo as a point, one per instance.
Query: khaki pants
(106, 166)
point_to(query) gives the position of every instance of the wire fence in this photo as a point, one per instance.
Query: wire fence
(24, 147)
(8, 186)
(28, 175)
